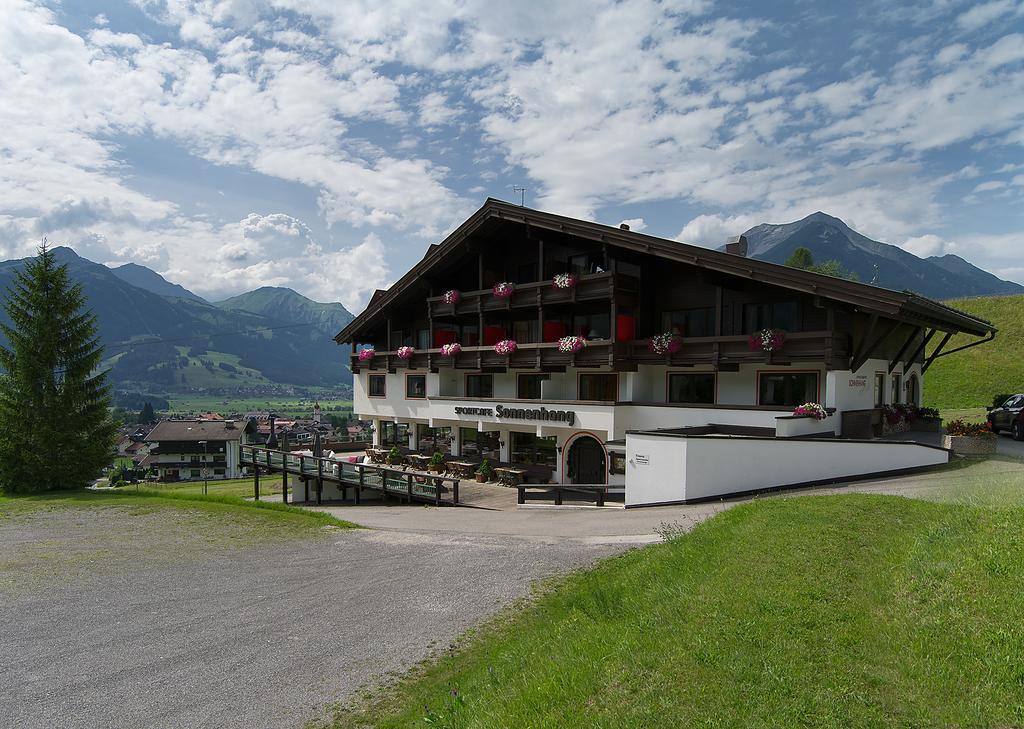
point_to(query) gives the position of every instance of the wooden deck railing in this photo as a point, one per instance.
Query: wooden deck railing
(409, 485)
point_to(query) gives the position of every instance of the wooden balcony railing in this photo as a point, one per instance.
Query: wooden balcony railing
(589, 287)
(830, 348)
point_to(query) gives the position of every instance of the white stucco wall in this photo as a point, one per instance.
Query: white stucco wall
(662, 469)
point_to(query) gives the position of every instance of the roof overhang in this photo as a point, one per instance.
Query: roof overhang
(903, 305)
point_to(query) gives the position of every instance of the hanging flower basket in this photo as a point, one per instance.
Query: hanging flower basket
(365, 355)
(506, 346)
(452, 297)
(571, 344)
(767, 340)
(667, 343)
(405, 352)
(564, 281)
(503, 290)
(811, 409)
(451, 350)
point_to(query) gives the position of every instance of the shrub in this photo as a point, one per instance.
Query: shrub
(485, 469)
(437, 459)
(972, 430)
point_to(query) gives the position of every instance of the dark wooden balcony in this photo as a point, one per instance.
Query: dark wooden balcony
(590, 287)
(830, 348)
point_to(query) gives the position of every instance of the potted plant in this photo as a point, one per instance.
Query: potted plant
(451, 350)
(506, 346)
(811, 410)
(564, 281)
(667, 343)
(405, 352)
(969, 439)
(436, 464)
(766, 340)
(571, 344)
(394, 456)
(366, 354)
(452, 297)
(485, 472)
(927, 420)
(503, 290)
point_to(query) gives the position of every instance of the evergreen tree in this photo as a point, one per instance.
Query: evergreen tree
(55, 425)
(147, 415)
(803, 258)
(800, 258)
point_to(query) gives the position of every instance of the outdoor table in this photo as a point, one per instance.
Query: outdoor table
(463, 469)
(419, 460)
(510, 476)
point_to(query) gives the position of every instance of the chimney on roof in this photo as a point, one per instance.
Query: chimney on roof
(229, 424)
(737, 245)
(624, 226)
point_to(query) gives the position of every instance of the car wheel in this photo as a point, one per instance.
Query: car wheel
(1018, 431)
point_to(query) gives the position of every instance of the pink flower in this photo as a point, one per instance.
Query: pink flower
(503, 290)
(571, 344)
(365, 355)
(405, 352)
(452, 297)
(667, 343)
(506, 346)
(451, 350)
(564, 281)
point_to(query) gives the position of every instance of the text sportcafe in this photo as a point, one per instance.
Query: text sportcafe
(550, 416)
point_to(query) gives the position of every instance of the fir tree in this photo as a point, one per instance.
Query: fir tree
(147, 415)
(55, 425)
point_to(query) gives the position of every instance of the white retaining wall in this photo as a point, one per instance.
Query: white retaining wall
(670, 469)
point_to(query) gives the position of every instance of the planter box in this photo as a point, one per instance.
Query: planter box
(927, 425)
(968, 445)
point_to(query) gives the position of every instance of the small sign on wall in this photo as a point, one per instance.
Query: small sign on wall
(859, 382)
(642, 460)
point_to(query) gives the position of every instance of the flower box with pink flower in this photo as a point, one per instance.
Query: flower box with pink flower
(451, 350)
(506, 346)
(571, 345)
(503, 290)
(405, 352)
(366, 354)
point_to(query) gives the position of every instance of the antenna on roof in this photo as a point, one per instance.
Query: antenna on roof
(874, 279)
(522, 194)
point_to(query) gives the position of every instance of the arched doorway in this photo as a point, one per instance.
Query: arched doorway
(586, 461)
(913, 391)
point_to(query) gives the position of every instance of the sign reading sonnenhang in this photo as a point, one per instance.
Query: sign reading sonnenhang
(542, 413)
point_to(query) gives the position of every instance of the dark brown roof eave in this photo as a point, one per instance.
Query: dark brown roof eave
(864, 296)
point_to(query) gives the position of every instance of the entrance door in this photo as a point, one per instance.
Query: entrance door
(586, 461)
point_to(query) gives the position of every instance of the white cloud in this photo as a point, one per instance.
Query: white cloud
(712, 231)
(928, 245)
(983, 14)
(990, 185)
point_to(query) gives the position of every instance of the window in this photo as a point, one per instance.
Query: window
(530, 449)
(691, 388)
(599, 387)
(196, 459)
(218, 472)
(787, 388)
(879, 389)
(435, 439)
(416, 386)
(592, 326)
(479, 385)
(470, 336)
(769, 316)
(392, 434)
(616, 462)
(423, 339)
(528, 386)
(584, 263)
(526, 331)
(480, 445)
(897, 387)
(194, 473)
(527, 273)
(376, 386)
(690, 322)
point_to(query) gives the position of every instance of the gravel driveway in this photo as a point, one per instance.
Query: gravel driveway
(251, 637)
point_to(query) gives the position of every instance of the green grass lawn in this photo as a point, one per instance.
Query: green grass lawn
(147, 499)
(241, 487)
(970, 378)
(841, 611)
(970, 415)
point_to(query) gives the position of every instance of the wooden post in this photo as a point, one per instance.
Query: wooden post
(359, 487)
(522, 494)
(600, 497)
(455, 492)
(319, 481)
(256, 481)
(284, 477)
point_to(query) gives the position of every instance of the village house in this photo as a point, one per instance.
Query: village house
(183, 450)
(597, 355)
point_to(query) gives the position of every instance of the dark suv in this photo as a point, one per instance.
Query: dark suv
(1009, 416)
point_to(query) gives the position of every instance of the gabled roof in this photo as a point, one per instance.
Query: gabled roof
(196, 430)
(874, 299)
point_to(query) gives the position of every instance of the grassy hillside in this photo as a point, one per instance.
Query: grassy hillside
(970, 378)
(838, 611)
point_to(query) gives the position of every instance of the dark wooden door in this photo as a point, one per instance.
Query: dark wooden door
(586, 461)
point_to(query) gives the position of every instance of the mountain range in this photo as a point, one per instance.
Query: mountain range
(160, 337)
(889, 266)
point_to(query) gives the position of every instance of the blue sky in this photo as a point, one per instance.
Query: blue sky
(323, 145)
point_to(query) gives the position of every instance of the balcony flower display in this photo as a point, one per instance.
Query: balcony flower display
(667, 343)
(811, 409)
(571, 344)
(452, 297)
(767, 340)
(451, 350)
(506, 346)
(503, 290)
(405, 352)
(365, 355)
(564, 281)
